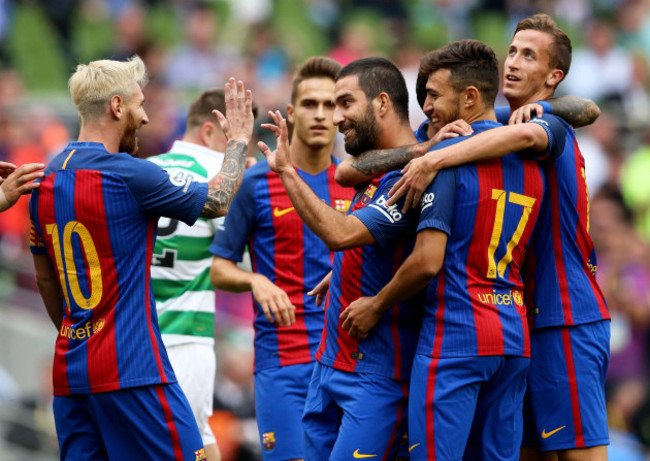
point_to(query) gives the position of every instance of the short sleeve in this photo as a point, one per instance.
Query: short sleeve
(437, 202)
(230, 240)
(159, 195)
(556, 129)
(386, 222)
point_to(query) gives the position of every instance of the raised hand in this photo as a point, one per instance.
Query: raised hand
(237, 124)
(279, 160)
(18, 183)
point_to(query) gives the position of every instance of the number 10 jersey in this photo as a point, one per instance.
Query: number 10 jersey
(95, 216)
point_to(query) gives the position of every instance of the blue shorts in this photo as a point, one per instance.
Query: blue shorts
(150, 422)
(565, 402)
(466, 407)
(280, 394)
(353, 415)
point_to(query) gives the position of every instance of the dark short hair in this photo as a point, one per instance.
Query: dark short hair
(471, 62)
(314, 67)
(560, 51)
(379, 75)
(200, 110)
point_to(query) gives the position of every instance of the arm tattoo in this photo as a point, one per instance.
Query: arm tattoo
(374, 162)
(576, 111)
(223, 187)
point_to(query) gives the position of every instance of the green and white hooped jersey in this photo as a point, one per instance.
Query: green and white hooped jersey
(180, 270)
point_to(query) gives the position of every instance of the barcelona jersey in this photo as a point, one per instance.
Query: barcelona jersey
(560, 274)
(286, 251)
(474, 306)
(364, 271)
(95, 216)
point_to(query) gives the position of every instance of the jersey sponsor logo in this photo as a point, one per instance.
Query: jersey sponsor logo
(506, 299)
(358, 455)
(342, 205)
(391, 212)
(268, 440)
(412, 447)
(546, 435)
(427, 200)
(181, 179)
(368, 194)
(83, 332)
(171, 163)
(593, 268)
(277, 212)
(199, 455)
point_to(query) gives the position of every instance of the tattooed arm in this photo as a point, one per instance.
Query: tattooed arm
(237, 126)
(356, 170)
(577, 112)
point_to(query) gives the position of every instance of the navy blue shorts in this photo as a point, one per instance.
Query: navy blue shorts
(150, 422)
(466, 408)
(354, 415)
(280, 395)
(565, 402)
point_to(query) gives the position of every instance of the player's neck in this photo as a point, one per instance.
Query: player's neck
(542, 95)
(395, 136)
(479, 114)
(95, 132)
(308, 159)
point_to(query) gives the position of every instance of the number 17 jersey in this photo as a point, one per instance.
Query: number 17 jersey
(489, 209)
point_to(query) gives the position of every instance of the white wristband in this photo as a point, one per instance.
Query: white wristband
(4, 203)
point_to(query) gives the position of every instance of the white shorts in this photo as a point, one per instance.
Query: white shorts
(195, 366)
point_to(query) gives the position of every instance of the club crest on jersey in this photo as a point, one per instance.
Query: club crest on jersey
(200, 455)
(342, 205)
(368, 194)
(268, 440)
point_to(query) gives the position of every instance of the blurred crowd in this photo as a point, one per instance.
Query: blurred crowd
(189, 47)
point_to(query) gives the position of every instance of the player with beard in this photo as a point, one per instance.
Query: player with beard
(357, 400)
(288, 260)
(94, 220)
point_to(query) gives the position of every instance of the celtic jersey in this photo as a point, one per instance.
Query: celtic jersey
(180, 269)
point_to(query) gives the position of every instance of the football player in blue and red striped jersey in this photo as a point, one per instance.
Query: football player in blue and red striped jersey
(565, 414)
(288, 260)
(357, 401)
(469, 373)
(94, 220)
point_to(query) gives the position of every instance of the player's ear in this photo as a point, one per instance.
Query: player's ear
(290, 113)
(470, 96)
(382, 104)
(117, 106)
(554, 77)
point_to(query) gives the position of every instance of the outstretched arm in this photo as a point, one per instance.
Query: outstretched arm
(493, 143)
(421, 266)
(237, 126)
(357, 170)
(338, 231)
(225, 275)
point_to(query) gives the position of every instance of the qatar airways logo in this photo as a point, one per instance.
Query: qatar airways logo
(83, 332)
(391, 212)
(505, 299)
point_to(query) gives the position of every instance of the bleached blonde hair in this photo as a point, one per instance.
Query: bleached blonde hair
(94, 84)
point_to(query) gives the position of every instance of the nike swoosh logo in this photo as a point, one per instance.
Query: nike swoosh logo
(546, 435)
(358, 455)
(278, 212)
(413, 446)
